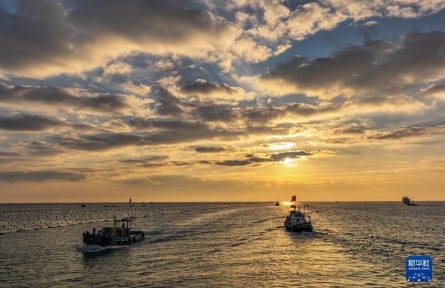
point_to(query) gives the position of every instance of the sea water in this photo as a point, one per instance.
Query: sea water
(355, 244)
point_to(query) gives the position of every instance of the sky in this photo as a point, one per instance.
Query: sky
(236, 100)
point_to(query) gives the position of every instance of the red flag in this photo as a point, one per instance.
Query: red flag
(294, 198)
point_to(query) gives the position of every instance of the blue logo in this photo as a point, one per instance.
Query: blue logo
(419, 269)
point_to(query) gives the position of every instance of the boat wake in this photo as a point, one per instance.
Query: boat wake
(85, 248)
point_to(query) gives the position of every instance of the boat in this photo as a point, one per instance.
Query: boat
(118, 236)
(407, 201)
(297, 220)
(277, 203)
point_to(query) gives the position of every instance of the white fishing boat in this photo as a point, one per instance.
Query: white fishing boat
(297, 221)
(110, 237)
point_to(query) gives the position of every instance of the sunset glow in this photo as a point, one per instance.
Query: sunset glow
(221, 100)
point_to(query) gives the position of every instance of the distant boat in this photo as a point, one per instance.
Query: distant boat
(110, 237)
(277, 203)
(83, 205)
(408, 202)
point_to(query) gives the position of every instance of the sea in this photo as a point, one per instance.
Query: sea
(354, 244)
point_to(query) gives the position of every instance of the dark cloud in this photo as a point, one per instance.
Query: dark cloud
(9, 154)
(7, 157)
(252, 159)
(213, 113)
(440, 88)
(163, 21)
(97, 142)
(152, 158)
(37, 33)
(267, 114)
(262, 114)
(40, 148)
(168, 104)
(175, 130)
(302, 109)
(148, 162)
(151, 132)
(29, 123)
(351, 128)
(203, 87)
(39, 176)
(210, 149)
(292, 154)
(53, 33)
(182, 163)
(375, 66)
(257, 159)
(154, 165)
(233, 163)
(22, 95)
(408, 132)
(169, 125)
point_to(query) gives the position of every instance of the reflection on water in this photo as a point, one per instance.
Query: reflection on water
(228, 245)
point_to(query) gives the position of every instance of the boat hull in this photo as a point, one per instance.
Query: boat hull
(94, 248)
(306, 227)
(94, 243)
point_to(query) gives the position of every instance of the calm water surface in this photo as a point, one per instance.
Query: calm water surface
(222, 245)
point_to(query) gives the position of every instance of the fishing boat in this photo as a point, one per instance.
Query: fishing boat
(407, 201)
(115, 237)
(297, 221)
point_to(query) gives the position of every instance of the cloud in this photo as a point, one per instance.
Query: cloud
(47, 38)
(40, 148)
(292, 154)
(168, 103)
(9, 154)
(251, 51)
(436, 91)
(211, 112)
(53, 37)
(30, 123)
(409, 132)
(149, 132)
(206, 89)
(375, 67)
(252, 159)
(146, 159)
(148, 162)
(98, 142)
(210, 149)
(7, 157)
(41, 97)
(232, 163)
(359, 10)
(311, 18)
(389, 105)
(37, 35)
(350, 128)
(39, 176)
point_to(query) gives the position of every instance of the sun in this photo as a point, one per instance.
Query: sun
(289, 162)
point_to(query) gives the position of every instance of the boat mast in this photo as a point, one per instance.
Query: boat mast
(129, 208)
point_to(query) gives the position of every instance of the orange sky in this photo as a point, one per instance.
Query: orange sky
(199, 101)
